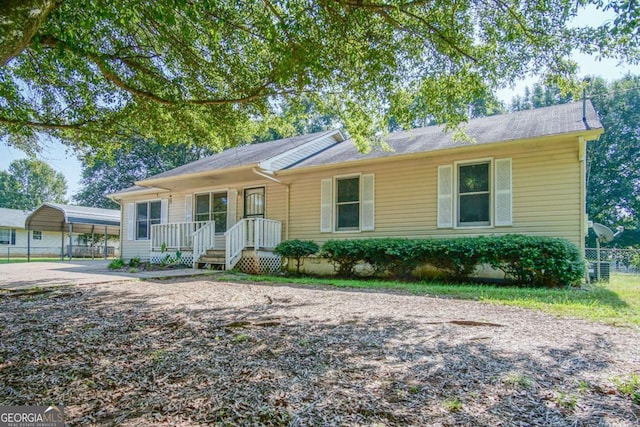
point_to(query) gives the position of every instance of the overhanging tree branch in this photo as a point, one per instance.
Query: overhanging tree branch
(257, 93)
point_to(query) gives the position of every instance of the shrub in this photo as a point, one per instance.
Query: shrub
(297, 249)
(134, 262)
(537, 261)
(343, 254)
(635, 261)
(529, 260)
(116, 264)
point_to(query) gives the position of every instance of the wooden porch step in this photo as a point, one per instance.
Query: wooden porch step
(214, 259)
(219, 253)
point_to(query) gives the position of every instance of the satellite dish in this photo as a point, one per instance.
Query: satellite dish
(603, 232)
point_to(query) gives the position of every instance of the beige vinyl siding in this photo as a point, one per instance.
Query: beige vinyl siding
(545, 189)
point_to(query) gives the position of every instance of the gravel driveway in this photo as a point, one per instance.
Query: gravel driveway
(198, 352)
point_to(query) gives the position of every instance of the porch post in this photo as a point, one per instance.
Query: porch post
(28, 244)
(70, 241)
(105, 242)
(62, 244)
(93, 240)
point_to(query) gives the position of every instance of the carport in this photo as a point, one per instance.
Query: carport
(72, 219)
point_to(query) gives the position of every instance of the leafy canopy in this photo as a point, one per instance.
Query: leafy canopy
(95, 73)
(138, 160)
(29, 183)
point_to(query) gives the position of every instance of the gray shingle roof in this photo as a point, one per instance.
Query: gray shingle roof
(240, 156)
(529, 124)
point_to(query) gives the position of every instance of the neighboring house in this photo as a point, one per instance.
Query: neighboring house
(521, 173)
(45, 231)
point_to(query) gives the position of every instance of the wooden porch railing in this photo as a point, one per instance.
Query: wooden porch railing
(256, 233)
(203, 239)
(176, 236)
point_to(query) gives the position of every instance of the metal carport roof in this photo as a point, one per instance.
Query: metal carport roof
(57, 217)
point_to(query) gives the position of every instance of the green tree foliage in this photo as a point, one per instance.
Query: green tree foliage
(613, 176)
(133, 162)
(542, 95)
(96, 72)
(29, 183)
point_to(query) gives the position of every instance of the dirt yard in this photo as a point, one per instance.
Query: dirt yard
(193, 352)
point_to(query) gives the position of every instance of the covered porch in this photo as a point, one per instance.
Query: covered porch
(248, 244)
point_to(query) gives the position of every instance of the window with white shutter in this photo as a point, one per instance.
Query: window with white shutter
(347, 203)
(475, 194)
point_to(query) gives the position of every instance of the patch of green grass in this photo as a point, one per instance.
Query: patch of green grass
(566, 401)
(629, 386)
(615, 303)
(517, 379)
(454, 405)
(21, 260)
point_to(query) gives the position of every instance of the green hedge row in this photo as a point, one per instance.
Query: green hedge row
(527, 260)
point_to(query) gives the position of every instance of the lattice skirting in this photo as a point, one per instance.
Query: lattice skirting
(259, 262)
(169, 257)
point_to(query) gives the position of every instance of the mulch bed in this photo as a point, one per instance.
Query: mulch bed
(198, 352)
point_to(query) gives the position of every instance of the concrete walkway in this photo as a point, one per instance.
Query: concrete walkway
(43, 274)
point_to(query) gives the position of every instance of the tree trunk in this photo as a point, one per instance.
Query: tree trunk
(19, 21)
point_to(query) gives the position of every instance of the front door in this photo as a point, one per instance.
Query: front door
(254, 207)
(254, 202)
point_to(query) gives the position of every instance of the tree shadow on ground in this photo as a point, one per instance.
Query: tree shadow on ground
(120, 357)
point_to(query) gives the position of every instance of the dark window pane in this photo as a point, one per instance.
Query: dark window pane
(348, 190)
(142, 230)
(474, 178)
(348, 215)
(221, 222)
(220, 202)
(202, 207)
(474, 208)
(142, 211)
(5, 236)
(156, 208)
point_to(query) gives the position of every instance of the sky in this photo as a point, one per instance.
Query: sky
(63, 159)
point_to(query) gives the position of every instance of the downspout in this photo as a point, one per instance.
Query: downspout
(582, 156)
(119, 202)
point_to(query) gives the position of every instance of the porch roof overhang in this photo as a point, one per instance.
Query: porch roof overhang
(56, 217)
(204, 179)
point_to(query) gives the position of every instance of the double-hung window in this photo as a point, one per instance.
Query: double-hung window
(348, 203)
(37, 235)
(147, 214)
(474, 194)
(5, 236)
(213, 207)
